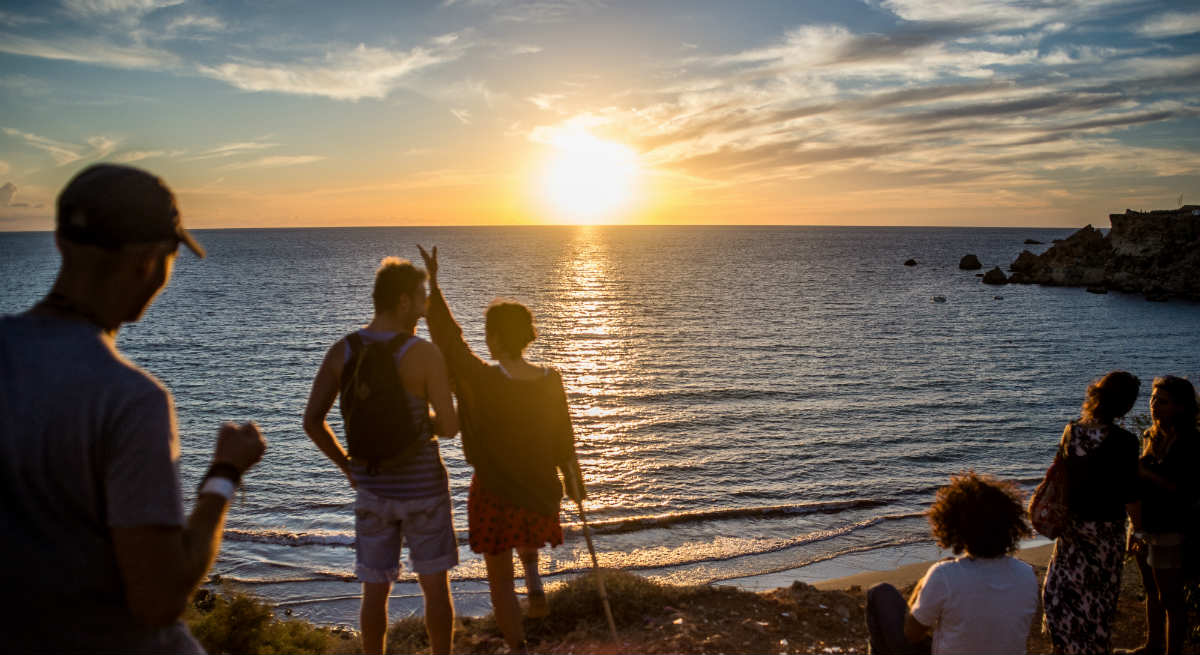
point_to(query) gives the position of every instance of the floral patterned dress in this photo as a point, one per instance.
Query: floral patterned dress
(1083, 579)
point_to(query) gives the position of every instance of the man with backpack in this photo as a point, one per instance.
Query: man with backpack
(388, 379)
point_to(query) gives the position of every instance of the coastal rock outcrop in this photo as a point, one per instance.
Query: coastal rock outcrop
(910, 262)
(995, 276)
(969, 263)
(1156, 253)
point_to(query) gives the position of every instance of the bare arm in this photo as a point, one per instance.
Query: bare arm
(162, 565)
(325, 388)
(914, 630)
(445, 331)
(437, 391)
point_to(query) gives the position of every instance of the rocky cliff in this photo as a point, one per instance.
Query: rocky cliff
(1156, 253)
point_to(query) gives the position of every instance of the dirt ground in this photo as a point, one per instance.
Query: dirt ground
(664, 619)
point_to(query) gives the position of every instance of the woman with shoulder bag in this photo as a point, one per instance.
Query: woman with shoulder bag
(1083, 579)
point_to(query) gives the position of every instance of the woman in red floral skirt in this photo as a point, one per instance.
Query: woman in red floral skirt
(517, 434)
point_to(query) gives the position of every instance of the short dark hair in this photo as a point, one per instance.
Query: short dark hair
(395, 279)
(1110, 397)
(980, 514)
(511, 323)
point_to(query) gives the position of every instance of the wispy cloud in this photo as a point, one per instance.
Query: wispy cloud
(130, 156)
(62, 152)
(354, 74)
(463, 115)
(194, 23)
(10, 19)
(1172, 23)
(997, 14)
(276, 161)
(545, 100)
(100, 7)
(88, 50)
(234, 149)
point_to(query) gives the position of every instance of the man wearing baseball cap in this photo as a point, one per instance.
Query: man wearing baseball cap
(96, 545)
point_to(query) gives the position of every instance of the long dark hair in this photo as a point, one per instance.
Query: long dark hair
(1110, 397)
(1183, 394)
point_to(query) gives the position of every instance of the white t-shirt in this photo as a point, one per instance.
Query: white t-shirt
(977, 605)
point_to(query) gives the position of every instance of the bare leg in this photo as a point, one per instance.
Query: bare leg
(1155, 617)
(504, 599)
(529, 562)
(373, 616)
(439, 611)
(1170, 594)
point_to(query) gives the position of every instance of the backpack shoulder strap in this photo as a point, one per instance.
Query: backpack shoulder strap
(355, 341)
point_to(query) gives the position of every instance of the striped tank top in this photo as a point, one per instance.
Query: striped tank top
(424, 474)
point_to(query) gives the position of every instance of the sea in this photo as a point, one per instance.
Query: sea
(752, 405)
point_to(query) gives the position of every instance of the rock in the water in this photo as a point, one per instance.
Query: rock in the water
(995, 276)
(969, 263)
(1031, 242)
(939, 299)
(1024, 263)
(1097, 289)
(997, 297)
(1157, 294)
(1156, 253)
(910, 262)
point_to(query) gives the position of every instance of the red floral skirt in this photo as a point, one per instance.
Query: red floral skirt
(496, 525)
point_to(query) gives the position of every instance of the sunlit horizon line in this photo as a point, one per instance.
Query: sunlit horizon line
(1005, 226)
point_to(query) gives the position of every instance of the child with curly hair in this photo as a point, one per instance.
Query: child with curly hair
(981, 601)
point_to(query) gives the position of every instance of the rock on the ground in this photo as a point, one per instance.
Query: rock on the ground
(969, 263)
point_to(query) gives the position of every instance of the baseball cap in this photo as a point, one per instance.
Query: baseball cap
(110, 205)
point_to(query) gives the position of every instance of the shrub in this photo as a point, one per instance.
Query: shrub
(237, 623)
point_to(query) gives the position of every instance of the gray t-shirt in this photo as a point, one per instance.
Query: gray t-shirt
(87, 442)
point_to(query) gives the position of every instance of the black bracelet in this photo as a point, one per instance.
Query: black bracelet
(223, 470)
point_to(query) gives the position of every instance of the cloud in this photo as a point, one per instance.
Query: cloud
(354, 74)
(101, 145)
(996, 14)
(233, 149)
(6, 194)
(88, 50)
(529, 11)
(88, 8)
(463, 115)
(130, 156)
(1172, 23)
(276, 161)
(62, 153)
(9, 19)
(545, 100)
(4, 168)
(193, 23)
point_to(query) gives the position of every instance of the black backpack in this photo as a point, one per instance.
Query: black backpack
(379, 423)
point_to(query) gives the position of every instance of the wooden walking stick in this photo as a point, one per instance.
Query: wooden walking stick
(587, 534)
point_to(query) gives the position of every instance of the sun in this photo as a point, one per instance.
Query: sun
(588, 180)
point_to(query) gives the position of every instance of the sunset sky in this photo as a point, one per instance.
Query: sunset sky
(469, 112)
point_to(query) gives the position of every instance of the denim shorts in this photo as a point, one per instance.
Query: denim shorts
(382, 524)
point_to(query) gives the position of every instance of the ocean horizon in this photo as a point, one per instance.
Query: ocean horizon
(751, 404)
